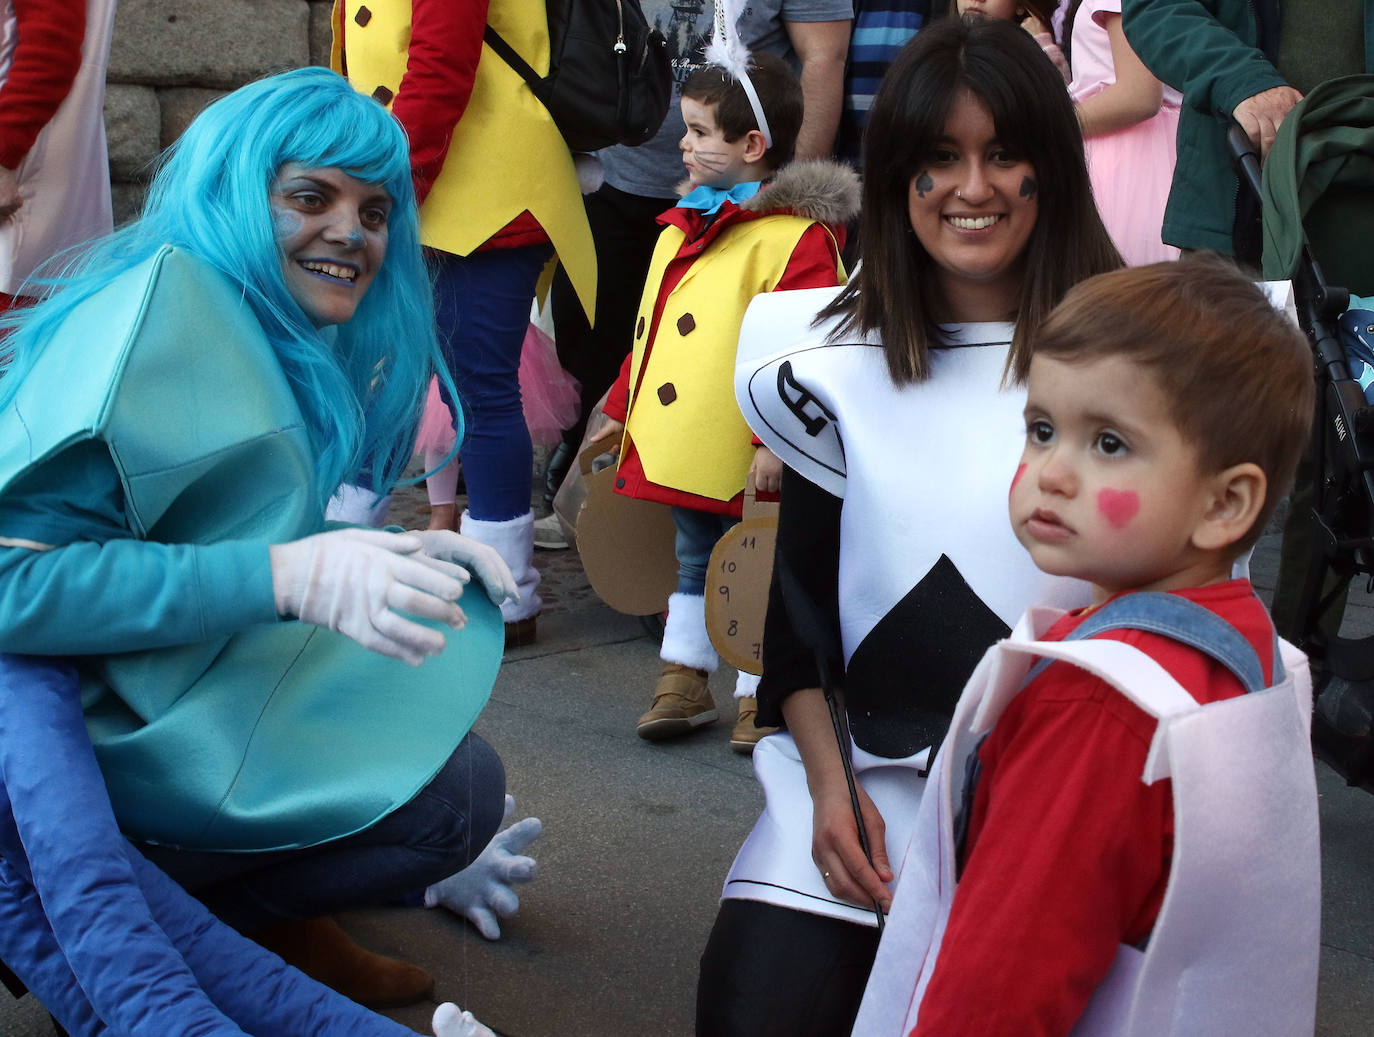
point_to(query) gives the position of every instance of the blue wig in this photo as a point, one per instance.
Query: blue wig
(360, 387)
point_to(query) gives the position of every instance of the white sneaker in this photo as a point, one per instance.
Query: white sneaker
(548, 533)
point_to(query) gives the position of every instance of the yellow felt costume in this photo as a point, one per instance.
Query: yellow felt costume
(506, 155)
(685, 442)
(684, 421)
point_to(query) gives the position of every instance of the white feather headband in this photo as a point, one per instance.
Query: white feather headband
(730, 53)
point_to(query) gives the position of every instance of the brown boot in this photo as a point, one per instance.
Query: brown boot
(745, 735)
(324, 952)
(682, 703)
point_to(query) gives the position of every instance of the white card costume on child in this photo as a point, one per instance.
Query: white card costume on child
(951, 570)
(1234, 948)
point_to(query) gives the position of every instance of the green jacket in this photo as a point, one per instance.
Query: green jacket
(1208, 50)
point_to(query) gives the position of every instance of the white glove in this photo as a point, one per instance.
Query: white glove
(452, 1021)
(483, 889)
(357, 582)
(473, 555)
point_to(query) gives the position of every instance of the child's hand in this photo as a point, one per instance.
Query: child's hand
(838, 854)
(1033, 25)
(766, 468)
(612, 430)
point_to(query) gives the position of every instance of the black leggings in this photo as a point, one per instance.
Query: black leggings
(769, 971)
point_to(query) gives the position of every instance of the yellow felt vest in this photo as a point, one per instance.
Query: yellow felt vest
(506, 155)
(684, 420)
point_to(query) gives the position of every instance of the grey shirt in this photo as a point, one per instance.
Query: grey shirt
(654, 169)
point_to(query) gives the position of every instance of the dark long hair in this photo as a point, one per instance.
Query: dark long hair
(895, 293)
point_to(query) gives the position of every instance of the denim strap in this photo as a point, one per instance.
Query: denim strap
(1184, 621)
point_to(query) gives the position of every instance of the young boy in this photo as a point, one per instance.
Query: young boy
(1167, 407)
(744, 226)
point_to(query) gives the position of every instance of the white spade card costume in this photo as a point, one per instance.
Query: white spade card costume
(930, 573)
(1234, 948)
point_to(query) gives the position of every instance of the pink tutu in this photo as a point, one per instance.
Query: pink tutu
(1131, 172)
(551, 397)
(436, 424)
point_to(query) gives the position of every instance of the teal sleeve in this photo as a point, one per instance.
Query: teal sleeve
(86, 586)
(1185, 44)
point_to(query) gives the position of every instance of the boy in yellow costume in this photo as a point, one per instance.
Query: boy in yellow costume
(498, 192)
(744, 227)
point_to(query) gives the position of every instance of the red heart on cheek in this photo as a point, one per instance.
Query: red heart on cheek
(1118, 507)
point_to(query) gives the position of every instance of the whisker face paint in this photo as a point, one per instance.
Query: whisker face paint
(714, 161)
(1118, 507)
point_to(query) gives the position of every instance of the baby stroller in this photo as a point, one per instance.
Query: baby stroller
(1317, 199)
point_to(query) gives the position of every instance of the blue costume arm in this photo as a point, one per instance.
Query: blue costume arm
(99, 590)
(148, 958)
(60, 828)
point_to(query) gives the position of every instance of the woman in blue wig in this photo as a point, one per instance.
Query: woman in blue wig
(174, 413)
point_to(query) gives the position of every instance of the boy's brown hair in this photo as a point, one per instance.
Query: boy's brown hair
(1237, 373)
(779, 93)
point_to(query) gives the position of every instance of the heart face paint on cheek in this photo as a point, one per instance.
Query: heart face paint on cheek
(1118, 507)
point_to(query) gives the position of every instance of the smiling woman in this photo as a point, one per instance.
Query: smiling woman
(973, 207)
(332, 229)
(261, 334)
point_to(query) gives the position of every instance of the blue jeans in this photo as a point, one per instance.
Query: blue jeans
(697, 533)
(440, 831)
(482, 306)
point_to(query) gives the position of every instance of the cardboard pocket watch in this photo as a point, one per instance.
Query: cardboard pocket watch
(626, 544)
(737, 582)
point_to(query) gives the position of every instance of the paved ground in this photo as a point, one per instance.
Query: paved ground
(638, 838)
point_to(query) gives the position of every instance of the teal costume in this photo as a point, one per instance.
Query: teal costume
(157, 449)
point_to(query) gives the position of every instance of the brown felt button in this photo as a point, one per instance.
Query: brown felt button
(363, 16)
(666, 393)
(685, 324)
(639, 328)
(383, 95)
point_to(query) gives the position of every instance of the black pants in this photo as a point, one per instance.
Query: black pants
(624, 230)
(768, 971)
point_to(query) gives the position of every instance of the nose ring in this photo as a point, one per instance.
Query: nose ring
(959, 194)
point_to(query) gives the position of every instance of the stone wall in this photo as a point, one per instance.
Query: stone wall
(170, 58)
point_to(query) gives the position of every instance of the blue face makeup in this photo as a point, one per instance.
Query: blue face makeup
(286, 223)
